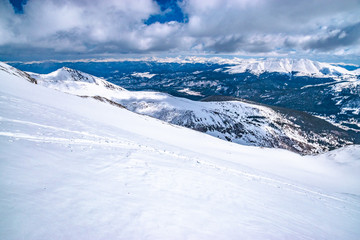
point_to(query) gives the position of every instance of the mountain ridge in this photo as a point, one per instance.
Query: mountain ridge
(242, 123)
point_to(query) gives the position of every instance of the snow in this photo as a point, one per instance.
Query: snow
(77, 168)
(356, 71)
(190, 92)
(351, 85)
(143, 75)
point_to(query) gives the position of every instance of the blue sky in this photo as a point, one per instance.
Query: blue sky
(170, 11)
(325, 30)
(18, 5)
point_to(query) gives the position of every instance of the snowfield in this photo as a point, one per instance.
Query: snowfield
(77, 168)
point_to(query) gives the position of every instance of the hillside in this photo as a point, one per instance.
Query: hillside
(77, 168)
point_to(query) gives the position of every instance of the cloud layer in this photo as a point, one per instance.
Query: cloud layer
(81, 28)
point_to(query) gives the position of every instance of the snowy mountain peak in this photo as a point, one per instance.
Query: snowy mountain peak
(76, 82)
(68, 74)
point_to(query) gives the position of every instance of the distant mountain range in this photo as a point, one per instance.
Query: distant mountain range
(330, 91)
(296, 67)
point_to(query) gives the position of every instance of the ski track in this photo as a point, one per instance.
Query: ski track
(129, 145)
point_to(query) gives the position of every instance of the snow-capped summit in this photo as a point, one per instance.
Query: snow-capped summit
(76, 82)
(65, 73)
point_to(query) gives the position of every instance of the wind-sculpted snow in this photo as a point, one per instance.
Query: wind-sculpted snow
(236, 121)
(77, 168)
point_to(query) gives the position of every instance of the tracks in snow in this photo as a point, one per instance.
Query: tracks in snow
(86, 138)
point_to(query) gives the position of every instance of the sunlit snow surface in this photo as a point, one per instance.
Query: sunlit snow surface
(75, 168)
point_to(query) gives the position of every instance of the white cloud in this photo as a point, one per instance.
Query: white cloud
(267, 27)
(91, 21)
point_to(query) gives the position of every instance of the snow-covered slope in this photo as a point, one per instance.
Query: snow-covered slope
(6, 69)
(76, 168)
(235, 121)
